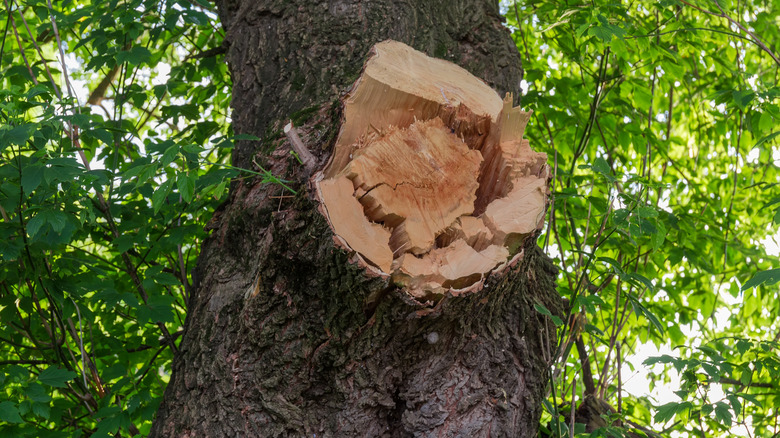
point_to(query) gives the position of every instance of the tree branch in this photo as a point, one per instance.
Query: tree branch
(755, 39)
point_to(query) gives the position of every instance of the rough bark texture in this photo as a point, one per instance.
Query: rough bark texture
(285, 336)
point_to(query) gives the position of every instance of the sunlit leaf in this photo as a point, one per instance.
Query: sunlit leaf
(769, 277)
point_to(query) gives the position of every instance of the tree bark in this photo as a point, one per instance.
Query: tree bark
(285, 335)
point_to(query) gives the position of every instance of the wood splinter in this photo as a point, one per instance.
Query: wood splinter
(308, 160)
(430, 182)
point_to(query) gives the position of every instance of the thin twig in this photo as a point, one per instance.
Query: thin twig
(309, 162)
(688, 29)
(612, 338)
(648, 159)
(554, 180)
(587, 372)
(40, 53)
(620, 379)
(571, 414)
(81, 344)
(62, 53)
(755, 39)
(522, 36)
(5, 33)
(597, 98)
(25, 362)
(19, 44)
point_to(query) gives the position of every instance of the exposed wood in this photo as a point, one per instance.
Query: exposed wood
(286, 335)
(457, 266)
(432, 157)
(368, 239)
(400, 85)
(417, 180)
(308, 160)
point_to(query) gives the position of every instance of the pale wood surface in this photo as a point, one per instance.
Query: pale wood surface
(431, 181)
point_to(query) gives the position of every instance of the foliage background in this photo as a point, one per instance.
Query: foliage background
(103, 203)
(660, 119)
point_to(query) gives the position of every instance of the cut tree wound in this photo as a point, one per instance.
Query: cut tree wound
(430, 181)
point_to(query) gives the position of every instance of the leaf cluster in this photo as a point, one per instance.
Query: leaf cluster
(114, 129)
(660, 121)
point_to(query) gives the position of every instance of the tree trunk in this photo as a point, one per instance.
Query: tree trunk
(286, 335)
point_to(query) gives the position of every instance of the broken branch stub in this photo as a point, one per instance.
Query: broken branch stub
(430, 181)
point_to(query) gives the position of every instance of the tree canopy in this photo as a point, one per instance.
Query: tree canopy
(659, 120)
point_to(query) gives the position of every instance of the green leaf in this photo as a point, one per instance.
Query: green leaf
(668, 411)
(603, 33)
(771, 202)
(639, 309)
(159, 308)
(765, 122)
(642, 97)
(42, 410)
(56, 377)
(621, 216)
(746, 377)
(57, 219)
(544, 311)
(711, 371)
(9, 413)
(769, 277)
(723, 414)
(159, 196)
(169, 155)
(613, 263)
(37, 393)
(34, 225)
(665, 358)
(712, 353)
(167, 279)
(124, 242)
(639, 279)
(196, 17)
(219, 190)
(582, 29)
(549, 407)
(618, 46)
(31, 178)
(659, 236)
(766, 138)
(647, 212)
(601, 166)
(186, 185)
(17, 135)
(751, 398)
(743, 345)
(743, 98)
(736, 404)
(592, 329)
(137, 55)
